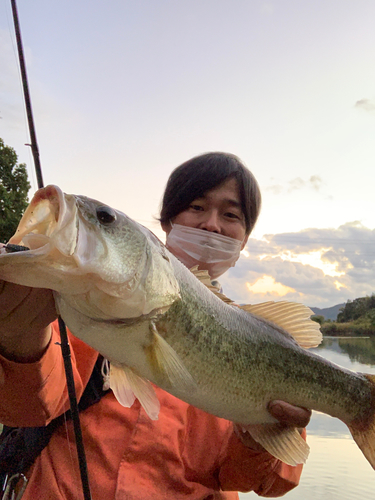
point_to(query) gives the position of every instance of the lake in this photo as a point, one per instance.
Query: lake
(336, 468)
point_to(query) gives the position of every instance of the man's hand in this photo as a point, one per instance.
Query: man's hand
(285, 413)
(289, 415)
(25, 315)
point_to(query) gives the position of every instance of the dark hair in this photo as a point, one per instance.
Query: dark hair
(195, 177)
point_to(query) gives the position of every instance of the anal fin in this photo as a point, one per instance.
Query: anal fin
(127, 385)
(284, 443)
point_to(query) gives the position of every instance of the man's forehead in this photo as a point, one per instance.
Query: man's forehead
(227, 192)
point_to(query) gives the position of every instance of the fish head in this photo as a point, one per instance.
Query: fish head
(94, 256)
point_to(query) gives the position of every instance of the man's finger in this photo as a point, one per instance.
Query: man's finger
(289, 414)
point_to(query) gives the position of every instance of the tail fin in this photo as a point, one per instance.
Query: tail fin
(365, 436)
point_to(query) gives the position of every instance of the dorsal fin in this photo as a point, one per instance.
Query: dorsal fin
(205, 278)
(291, 317)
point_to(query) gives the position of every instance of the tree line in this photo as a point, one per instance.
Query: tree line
(14, 188)
(356, 317)
(363, 307)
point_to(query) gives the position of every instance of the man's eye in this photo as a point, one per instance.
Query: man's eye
(232, 215)
(196, 207)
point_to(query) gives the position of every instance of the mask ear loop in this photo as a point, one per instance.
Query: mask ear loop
(166, 240)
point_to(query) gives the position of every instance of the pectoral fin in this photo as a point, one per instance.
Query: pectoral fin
(284, 443)
(166, 363)
(127, 385)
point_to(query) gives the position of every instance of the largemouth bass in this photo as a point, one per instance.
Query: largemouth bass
(119, 290)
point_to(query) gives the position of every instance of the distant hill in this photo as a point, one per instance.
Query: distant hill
(329, 312)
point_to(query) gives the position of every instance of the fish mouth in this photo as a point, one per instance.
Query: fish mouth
(49, 214)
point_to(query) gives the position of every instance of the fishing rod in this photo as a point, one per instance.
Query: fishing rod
(26, 93)
(65, 348)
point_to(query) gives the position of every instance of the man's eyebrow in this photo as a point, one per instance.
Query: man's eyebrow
(229, 201)
(233, 203)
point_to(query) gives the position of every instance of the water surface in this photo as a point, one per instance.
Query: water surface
(336, 468)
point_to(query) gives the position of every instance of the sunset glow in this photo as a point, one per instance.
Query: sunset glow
(268, 285)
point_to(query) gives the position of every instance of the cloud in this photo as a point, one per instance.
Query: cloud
(296, 183)
(267, 285)
(319, 267)
(275, 188)
(366, 104)
(315, 182)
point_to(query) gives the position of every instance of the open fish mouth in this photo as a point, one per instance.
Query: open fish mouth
(50, 214)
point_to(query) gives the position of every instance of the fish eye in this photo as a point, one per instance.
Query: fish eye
(106, 215)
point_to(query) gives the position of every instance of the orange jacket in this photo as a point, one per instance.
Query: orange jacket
(185, 454)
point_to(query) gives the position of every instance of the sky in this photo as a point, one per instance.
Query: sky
(124, 91)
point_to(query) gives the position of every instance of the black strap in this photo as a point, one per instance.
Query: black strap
(20, 446)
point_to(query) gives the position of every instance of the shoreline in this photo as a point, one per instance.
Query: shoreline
(346, 330)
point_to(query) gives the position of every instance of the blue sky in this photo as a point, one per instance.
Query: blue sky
(125, 91)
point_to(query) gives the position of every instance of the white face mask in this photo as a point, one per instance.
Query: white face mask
(211, 251)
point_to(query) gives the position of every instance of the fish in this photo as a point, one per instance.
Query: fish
(120, 290)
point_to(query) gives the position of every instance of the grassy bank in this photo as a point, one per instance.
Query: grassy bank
(347, 329)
